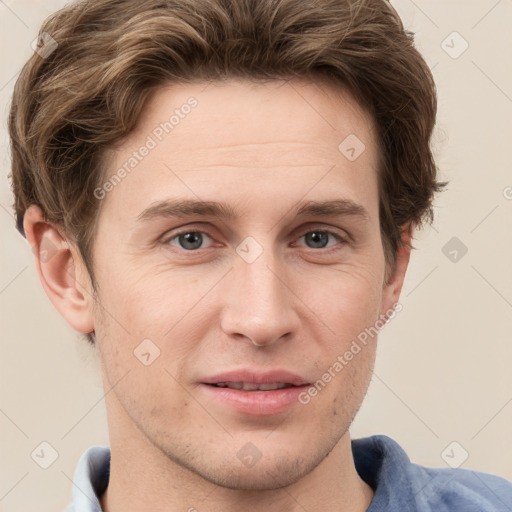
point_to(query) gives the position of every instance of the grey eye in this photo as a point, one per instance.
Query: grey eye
(319, 239)
(189, 240)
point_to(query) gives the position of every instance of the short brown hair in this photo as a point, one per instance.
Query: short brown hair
(87, 94)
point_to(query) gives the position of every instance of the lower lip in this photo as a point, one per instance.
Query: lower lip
(257, 403)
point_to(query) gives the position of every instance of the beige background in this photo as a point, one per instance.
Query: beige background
(443, 366)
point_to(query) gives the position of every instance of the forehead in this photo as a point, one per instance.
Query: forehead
(214, 137)
(243, 111)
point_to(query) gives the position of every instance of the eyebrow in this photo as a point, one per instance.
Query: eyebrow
(188, 208)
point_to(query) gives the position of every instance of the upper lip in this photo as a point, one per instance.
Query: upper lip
(255, 377)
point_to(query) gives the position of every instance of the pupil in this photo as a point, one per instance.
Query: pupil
(188, 238)
(318, 237)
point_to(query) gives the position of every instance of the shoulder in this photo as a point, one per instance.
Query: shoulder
(462, 489)
(399, 483)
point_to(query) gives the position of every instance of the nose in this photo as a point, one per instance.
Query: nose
(260, 302)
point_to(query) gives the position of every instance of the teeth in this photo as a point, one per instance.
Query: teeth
(251, 386)
(277, 385)
(246, 386)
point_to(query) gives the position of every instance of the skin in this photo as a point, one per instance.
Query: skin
(261, 149)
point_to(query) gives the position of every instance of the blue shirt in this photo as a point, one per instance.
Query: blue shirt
(399, 485)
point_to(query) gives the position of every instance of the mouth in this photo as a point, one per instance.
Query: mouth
(252, 386)
(259, 394)
(250, 380)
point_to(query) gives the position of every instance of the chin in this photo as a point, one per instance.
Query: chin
(261, 477)
(265, 474)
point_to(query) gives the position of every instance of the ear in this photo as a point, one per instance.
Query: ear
(58, 265)
(393, 286)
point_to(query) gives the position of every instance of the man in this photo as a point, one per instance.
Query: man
(223, 195)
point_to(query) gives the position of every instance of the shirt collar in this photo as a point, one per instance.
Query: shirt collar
(90, 480)
(383, 465)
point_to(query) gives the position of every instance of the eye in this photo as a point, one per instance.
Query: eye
(319, 239)
(188, 240)
(193, 240)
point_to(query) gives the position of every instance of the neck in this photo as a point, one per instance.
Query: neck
(142, 483)
(142, 477)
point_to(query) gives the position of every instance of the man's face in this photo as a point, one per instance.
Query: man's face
(265, 293)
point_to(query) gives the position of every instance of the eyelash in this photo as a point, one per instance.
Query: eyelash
(342, 241)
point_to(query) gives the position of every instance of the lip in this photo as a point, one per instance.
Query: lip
(256, 403)
(254, 377)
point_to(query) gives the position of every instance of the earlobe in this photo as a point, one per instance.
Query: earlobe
(56, 264)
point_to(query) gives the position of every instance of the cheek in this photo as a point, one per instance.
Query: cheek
(159, 320)
(348, 299)
(351, 308)
(351, 386)
(151, 304)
